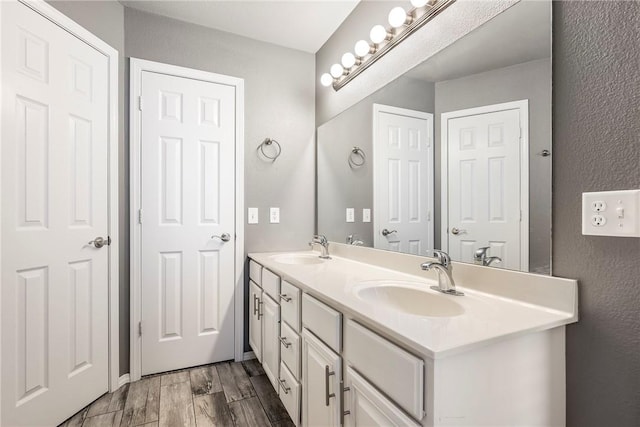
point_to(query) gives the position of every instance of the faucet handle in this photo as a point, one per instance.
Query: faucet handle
(481, 253)
(320, 238)
(442, 257)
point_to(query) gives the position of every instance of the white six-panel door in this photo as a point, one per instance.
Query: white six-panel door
(484, 184)
(403, 179)
(54, 201)
(188, 197)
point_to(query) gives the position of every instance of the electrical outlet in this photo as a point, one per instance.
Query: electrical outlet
(611, 213)
(274, 215)
(252, 216)
(366, 215)
(351, 215)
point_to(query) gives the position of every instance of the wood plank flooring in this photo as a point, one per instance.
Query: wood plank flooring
(224, 394)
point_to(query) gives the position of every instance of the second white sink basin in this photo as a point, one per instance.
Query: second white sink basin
(298, 259)
(410, 300)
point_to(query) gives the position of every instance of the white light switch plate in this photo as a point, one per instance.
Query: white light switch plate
(611, 213)
(351, 215)
(252, 216)
(366, 215)
(274, 215)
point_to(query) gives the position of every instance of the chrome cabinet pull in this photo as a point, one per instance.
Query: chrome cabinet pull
(260, 313)
(327, 374)
(225, 237)
(255, 304)
(284, 342)
(455, 231)
(342, 411)
(386, 232)
(283, 384)
(99, 242)
(285, 297)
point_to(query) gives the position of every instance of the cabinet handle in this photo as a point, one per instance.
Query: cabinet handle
(327, 374)
(285, 297)
(284, 342)
(283, 384)
(260, 313)
(255, 304)
(342, 411)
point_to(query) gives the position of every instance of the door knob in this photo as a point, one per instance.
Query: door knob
(456, 231)
(386, 232)
(225, 237)
(99, 242)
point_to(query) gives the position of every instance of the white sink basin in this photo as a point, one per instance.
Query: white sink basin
(408, 299)
(297, 259)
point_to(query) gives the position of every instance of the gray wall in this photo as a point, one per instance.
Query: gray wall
(532, 81)
(341, 187)
(596, 140)
(105, 19)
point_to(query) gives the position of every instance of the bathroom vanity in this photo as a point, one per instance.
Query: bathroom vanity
(361, 339)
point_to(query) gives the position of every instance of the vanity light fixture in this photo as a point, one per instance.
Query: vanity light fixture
(402, 23)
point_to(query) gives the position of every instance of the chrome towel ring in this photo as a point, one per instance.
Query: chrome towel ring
(268, 142)
(356, 158)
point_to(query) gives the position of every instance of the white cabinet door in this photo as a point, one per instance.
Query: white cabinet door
(321, 373)
(368, 407)
(255, 323)
(270, 338)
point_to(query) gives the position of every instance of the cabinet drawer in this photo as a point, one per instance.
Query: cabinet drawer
(290, 349)
(290, 305)
(271, 284)
(371, 355)
(323, 321)
(289, 391)
(255, 272)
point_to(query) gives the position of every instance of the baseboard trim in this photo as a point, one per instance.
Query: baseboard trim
(248, 355)
(125, 379)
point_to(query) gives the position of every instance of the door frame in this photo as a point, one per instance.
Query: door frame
(523, 106)
(64, 22)
(137, 67)
(381, 108)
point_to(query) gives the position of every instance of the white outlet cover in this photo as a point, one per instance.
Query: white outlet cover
(351, 215)
(611, 213)
(366, 215)
(252, 215)
(274, 215)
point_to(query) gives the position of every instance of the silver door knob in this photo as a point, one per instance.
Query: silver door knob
(99, 242)
(225, 237)
(456, 231)
(386, 232)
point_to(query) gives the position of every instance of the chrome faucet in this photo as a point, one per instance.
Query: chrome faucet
(353, 240)
(444, 269)
(321, 240)
(480, 257)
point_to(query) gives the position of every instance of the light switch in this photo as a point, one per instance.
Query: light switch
(351, 215)
(252, 216)
(366, 215)
(274, 215)
(611, 213)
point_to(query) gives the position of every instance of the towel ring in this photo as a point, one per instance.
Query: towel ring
(268, 142)
(357, 158)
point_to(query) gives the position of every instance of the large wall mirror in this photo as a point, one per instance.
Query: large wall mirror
(455, 154)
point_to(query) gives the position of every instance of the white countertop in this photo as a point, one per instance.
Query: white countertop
(487, 317)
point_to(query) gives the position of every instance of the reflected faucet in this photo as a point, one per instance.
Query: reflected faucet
(352, 239)
(480, 257)
(321, 240)
(444, 270)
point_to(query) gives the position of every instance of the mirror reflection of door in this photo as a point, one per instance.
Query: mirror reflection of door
(403, 179)
(486, 191)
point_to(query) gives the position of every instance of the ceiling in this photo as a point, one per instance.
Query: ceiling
(297, 24)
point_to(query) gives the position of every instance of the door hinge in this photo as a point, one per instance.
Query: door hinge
(140, 103)
(139, 216)
(139, 329)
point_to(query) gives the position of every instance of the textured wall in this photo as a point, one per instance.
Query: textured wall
(596, 139)
(105, 19)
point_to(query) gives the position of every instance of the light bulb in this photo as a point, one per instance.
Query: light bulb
(362, 48)
(378, 34)
(348, 60)
(419, 3)
(336, 70)
(326, 80)
(397, 17)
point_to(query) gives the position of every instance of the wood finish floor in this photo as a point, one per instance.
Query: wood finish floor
(224, 394)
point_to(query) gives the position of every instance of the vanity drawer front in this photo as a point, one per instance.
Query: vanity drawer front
(271, 284)
(373, 356)
(323, 321)
(290, 305)
(289, 391)
(255, 272)
(290, 349)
